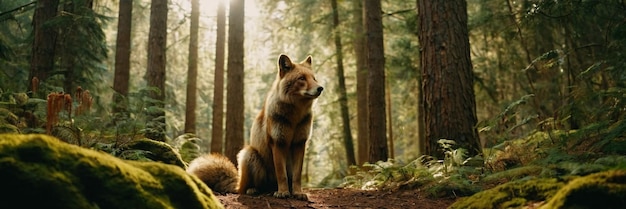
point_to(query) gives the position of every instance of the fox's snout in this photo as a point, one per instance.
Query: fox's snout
(315, 92)
(319, 90)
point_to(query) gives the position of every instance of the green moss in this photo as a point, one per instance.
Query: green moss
(513, 174)
(51, 174)
(157, 151)
(600, 190)
(189, 150)
(511, 195)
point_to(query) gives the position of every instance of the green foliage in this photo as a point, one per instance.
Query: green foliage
(68, 133)
(15, 30)
(80, 64)
(439, 178)
(8, 121)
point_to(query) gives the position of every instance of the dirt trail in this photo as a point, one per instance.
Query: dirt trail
(339, 198)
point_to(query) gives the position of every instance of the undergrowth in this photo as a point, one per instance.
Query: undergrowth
(451, 176)
(519, 146)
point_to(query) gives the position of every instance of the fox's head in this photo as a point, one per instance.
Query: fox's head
(297, 79)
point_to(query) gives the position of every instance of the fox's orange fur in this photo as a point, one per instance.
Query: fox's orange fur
(273, 160)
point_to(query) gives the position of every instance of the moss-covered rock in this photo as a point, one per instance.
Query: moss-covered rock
(600, 190)
(155, 151)
(188, 145)
(514, 194)
(39, 171)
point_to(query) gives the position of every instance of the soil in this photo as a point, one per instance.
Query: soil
(339, 198)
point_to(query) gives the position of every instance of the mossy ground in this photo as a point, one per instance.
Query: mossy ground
(39, 171)
(511, 195)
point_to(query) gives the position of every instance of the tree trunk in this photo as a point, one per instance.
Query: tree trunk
(422, 143)
(192, 69)
(376, 81)
(389, 119)
(44, 42)
(343, 96)
(217, 133)
(155, 74)
(234, 98)
(449, 102)
(361, 83)
(122, 58)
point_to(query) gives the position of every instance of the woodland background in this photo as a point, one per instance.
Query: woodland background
(538, 66)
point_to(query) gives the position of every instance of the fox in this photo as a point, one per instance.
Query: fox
(272, 161)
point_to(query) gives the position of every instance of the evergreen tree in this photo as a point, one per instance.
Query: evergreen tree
(122, 58)
(378, 149)
(361, 80)
(343, 97)
(192, 69)
(44, 41)
(217, 131)
(155, 74)
(234, 98)
(449, 102)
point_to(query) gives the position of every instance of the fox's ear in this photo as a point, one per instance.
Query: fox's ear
(284, 65)
(307, 60)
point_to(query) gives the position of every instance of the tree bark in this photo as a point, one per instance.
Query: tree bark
(449, 102)
(361, 83)
(376, 81)
(343, 96)
(122, 58)
(217, 133)
(155, 74)
(234, 98)
(44, 41)
(192, 69)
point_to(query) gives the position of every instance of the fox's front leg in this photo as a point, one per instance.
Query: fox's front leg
(279, 151)
(297, 152)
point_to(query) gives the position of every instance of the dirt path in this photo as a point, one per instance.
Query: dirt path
(339, 198)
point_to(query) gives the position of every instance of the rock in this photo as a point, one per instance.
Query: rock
(605, 190)
(39, 171)
(600, 190)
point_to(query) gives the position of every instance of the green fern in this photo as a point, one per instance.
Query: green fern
(447, 177)
(67, 133)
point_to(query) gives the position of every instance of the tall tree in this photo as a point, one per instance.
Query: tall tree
(122, 58)
(79, 63)
(361, 82)
(70, 32)
(155, 74)
(234, 98)
(192, 69)
(217, 132)
(447, 78)
(343, 96)
(376, 81)
(44, 40)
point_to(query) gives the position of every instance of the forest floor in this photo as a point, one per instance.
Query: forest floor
(339, 198)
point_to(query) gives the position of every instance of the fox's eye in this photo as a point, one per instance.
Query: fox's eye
(302, 78)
